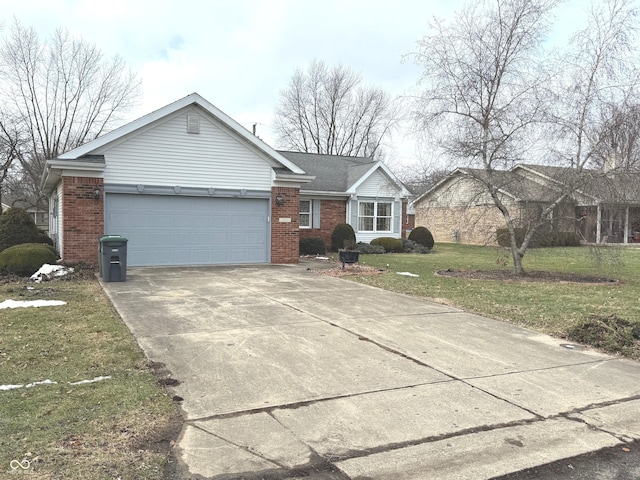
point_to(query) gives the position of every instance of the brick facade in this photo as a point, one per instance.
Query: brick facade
(83, 219)
(285, 225)
(408, 220)
(332, 212)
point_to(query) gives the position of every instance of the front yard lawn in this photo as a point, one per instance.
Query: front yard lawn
(119, 427)
(550, 307)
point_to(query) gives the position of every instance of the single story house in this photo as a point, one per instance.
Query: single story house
(355, 190)
(188, 185)
(603, 207)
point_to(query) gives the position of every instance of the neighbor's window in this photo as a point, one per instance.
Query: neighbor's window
(374, 216)
(305, 213)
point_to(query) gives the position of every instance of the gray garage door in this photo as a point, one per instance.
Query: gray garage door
(164, 230)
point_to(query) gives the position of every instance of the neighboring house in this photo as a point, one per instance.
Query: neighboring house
(188, 185)
(39, 215)
(354, 190)
(604, 207)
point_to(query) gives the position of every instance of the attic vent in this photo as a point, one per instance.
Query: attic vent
(193, 123)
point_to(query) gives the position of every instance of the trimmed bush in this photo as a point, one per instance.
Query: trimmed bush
(391, 245)
(409, 246)
(367, 248)
(502, 235)
(16, 227)
(560, 239)
(44, 238)
(343, 236)
(25, 259)
(423, 236)
(549, 238)
(312, 246)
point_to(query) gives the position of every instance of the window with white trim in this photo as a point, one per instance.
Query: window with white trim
(375, 216)
(305, 213)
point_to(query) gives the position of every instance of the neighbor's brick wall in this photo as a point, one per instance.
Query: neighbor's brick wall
(408, 221)
(476, 225)
(285, 236)
(83, 219)
(332, 212)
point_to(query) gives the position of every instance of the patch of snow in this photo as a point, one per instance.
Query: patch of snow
(30, 303)
(43, 382)
(93, 380)
(322, 258)
(51, 382)
(408, 274)
(47, 271)
(10, 387)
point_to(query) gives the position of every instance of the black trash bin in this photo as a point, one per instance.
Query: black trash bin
(113, 258)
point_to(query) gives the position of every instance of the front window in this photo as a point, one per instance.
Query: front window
(305, 213)
(374, 216)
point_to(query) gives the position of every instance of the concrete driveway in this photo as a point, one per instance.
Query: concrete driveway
(286, 373)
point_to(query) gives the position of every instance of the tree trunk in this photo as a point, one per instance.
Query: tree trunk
(517, 261)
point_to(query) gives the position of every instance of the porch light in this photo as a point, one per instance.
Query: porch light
(280, 200)
(96, 193)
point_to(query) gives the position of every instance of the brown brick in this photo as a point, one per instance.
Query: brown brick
(83, 219)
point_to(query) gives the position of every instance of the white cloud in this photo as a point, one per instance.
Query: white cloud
(240, 54)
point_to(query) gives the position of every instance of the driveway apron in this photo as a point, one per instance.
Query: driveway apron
(286, 373)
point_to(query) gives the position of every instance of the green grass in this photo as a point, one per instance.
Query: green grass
(107, 429)
(554, 308)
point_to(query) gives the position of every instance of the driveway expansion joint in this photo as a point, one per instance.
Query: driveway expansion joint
(306, 403)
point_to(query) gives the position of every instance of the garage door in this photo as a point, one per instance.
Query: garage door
(164, 230)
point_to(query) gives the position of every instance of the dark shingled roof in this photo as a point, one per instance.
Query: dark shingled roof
(334, 173)
(516, 185)
(613, 188)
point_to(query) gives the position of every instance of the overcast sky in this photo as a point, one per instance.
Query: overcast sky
(239, 54)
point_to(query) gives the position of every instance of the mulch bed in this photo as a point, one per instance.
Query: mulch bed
(533, 276)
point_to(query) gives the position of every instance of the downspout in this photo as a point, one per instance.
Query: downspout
(626, 225)
(598, 221)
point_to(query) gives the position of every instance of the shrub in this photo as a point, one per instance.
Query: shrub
(312, 246)
(502, 235)
(367, 248)
(343, 236)
(391, 245)
(542, 238)
(409, 246)
(25, 259)
(44, 238)
(16, 227)
(561, 239)
(422, 236)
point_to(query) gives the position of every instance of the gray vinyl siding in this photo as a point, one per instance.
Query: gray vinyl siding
(165, 154)
(315, 211)
(378, 185)
(55, 217)
(397, 213)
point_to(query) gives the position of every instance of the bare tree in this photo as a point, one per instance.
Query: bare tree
(481, 82)
(10, 145)
(326, 110)
(619, 135)
(489, 90)
(62, 93)
(597, 78)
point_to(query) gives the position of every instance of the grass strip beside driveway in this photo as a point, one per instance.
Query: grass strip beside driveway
(553, 308)
(118, 427)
